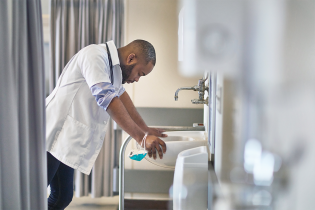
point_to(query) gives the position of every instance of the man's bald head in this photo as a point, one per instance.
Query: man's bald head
(144, 49)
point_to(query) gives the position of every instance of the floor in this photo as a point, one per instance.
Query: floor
(111, 203)
(88, 203)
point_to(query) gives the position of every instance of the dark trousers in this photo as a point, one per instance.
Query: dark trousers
(60, 179)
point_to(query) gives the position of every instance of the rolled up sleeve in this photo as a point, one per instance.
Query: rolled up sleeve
(104, 93)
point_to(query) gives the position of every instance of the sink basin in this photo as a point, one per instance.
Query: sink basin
(177, 138)
(177, 142)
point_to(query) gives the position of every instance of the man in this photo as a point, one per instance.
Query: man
(88, 91)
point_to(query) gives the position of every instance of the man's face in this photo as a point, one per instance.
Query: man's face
(132, 73)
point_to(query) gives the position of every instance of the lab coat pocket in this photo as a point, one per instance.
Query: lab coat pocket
(78, 131)
(74, 140)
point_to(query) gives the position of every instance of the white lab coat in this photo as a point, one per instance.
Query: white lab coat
(75, 124)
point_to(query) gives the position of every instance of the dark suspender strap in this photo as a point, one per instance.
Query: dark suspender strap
(110, 65)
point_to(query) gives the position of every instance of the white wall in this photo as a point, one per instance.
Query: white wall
(157, 22)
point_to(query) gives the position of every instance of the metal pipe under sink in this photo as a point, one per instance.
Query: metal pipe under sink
(122, 158)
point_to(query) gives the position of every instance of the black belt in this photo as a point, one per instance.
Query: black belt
(110, 65)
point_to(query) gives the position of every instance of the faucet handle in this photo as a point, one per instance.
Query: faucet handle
(198, 101)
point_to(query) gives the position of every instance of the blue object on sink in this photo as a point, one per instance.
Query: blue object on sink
(137, 156)
(141, 152)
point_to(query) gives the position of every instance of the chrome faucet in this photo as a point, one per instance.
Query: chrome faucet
(201, 88)
(194, 88)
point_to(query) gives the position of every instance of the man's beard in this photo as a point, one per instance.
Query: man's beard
(126, 71)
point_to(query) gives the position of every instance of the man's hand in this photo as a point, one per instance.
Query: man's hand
(156, 132)
(152, 145)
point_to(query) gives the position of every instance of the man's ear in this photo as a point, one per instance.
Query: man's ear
(131, 59)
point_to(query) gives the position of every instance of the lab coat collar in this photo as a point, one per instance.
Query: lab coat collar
(113, 52)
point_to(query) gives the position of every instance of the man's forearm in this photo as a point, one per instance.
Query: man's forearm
(120, 115)
(131, 109)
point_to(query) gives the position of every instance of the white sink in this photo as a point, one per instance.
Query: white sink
(176, 142)
(190, 186)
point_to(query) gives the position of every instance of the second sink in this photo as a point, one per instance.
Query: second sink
(176, 142)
